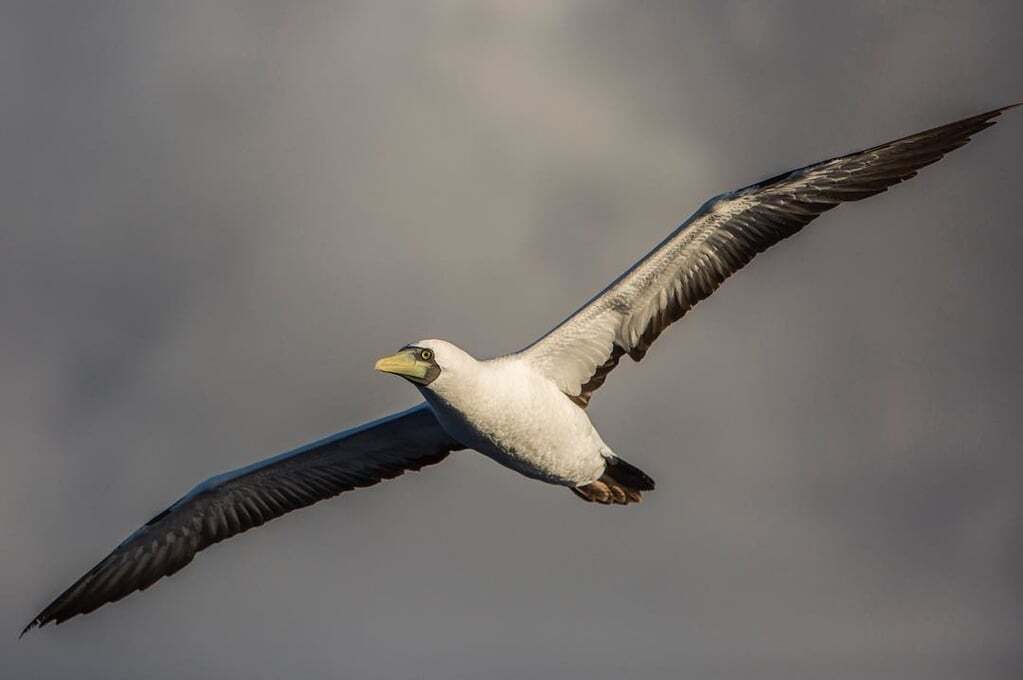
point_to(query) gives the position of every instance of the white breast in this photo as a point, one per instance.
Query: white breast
(511, 413)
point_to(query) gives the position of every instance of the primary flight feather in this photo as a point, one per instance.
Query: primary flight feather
(524, 410)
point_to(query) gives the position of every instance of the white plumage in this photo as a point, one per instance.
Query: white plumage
(509, 411)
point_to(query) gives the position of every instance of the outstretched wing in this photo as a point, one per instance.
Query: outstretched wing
(239, 500)
(718, 240)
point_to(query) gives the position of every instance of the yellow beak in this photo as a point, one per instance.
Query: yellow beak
(404, 363)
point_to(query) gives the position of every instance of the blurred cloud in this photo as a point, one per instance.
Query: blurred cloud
(218, 214)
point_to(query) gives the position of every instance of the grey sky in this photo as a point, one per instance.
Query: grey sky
(217, 215)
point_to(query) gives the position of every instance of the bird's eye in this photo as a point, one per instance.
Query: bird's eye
(426, 355)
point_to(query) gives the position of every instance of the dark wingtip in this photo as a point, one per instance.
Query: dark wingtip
(1001, 109)
(994, 113)
(34, 623)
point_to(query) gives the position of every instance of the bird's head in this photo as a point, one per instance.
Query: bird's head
(424, 362)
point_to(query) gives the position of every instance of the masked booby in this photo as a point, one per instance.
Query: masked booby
(525, 410)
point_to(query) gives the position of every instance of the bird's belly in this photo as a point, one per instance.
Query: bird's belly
(556, 445)
(550, 459)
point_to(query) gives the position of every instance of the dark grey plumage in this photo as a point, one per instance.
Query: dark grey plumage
(237, 501)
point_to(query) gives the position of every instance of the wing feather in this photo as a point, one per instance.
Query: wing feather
(237, 501)
(716, 241)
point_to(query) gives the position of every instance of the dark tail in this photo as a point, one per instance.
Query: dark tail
(620, 484)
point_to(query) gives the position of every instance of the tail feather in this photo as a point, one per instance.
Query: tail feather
(620, 484)
(628, 475)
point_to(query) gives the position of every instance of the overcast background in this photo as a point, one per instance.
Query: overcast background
(216, 216)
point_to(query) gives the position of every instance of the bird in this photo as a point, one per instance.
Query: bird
(527, 410)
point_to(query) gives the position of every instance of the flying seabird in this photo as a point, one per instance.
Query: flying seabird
(524, 410)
